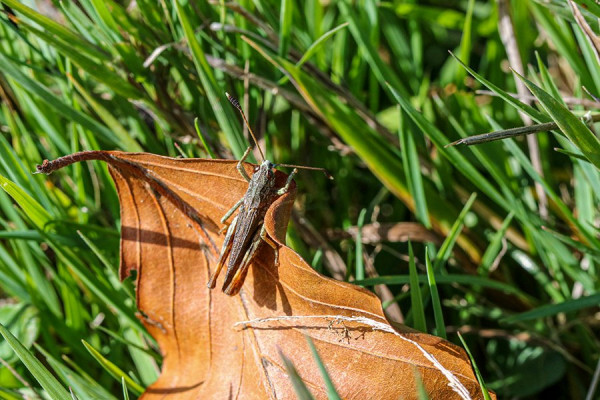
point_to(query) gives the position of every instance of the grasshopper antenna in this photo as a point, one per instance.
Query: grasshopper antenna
(327, 174)
(236, 104)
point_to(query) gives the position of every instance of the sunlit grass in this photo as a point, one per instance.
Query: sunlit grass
(368, 92)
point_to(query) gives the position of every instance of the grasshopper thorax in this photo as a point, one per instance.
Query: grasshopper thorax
(261, 187)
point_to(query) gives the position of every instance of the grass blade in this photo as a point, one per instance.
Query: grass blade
(417, 309)
(484, 389)
(316, 46)
(86, 388)
(412, 170)
(203, 140)
(331, 391)
(113, 370)
(519, 105)
(446, 249)
(53, 387)
(440, 326)
(550, 310)
(285, 26)
(360, 33)
(38, 215)
(125, 390)
(318, 43)
(360, 265)
(494, 247)
(299, 386)
(568, 123)
(465, 42)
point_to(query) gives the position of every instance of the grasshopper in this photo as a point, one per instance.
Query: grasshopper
(246, 231)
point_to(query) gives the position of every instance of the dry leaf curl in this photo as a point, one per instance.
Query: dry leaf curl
(216, 346)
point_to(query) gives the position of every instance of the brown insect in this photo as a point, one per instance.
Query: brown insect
(247, 232)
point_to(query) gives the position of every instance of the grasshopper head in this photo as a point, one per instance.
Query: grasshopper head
(266, 166)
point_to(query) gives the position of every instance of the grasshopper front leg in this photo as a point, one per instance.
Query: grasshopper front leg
(240, 164)
(229, 213)
(286, 187)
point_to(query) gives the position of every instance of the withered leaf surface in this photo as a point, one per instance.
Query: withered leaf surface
(170, 212)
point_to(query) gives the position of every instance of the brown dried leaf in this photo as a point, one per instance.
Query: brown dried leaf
(217, 346)
(389, 232)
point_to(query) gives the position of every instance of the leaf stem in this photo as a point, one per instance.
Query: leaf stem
(47, 167)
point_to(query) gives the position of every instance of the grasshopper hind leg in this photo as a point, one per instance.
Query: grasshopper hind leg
(225, 250)
(233, 283)
(271, 243)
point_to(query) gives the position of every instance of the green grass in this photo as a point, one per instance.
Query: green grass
(370, 93)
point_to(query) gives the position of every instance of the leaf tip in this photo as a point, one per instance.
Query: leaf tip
(455, 143)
